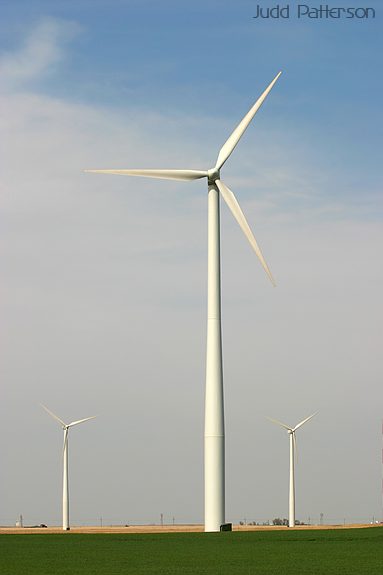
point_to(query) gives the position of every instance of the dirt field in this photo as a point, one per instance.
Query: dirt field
(167, 528)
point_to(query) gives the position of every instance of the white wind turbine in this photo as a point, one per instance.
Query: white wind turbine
(66, 427)
(293, 452)
(214, 407)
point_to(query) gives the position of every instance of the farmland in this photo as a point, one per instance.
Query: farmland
(272, 552)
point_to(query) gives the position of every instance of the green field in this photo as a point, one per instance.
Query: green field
(327, 552)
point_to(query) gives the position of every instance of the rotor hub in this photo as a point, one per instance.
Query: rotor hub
(213, 175)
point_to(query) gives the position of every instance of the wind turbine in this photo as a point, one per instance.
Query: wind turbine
(66, 427)
(214, 406)
(293, 451)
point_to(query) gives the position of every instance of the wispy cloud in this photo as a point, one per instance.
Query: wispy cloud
(42, 50)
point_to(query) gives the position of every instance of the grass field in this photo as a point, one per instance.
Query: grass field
(327, 552)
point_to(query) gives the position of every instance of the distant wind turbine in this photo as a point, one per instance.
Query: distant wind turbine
(66, 427)
(293, 452)
(214, 405)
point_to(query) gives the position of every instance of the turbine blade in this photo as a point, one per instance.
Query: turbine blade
(233, 140)
(65, 439)
(280, 423)
(81, 421)
(304, 421)
(186, 175)
(295, 447)
(53, 415)
(235, 209)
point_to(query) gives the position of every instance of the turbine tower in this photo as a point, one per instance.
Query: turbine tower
(66, 427)
(214, 404)
(293, 451)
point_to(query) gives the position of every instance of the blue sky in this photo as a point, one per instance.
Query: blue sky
(209, 59)
(105, 278)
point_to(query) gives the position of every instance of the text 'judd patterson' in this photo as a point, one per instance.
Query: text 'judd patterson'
(306, 12)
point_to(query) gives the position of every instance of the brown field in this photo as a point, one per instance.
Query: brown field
(168, 528)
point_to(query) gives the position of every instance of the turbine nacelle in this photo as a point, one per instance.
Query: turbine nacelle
(213, 175)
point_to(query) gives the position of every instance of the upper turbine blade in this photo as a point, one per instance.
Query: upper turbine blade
(53, 415)
(186, 175)
(233, 140)
(280, 423)
(235, 208)
(304, 421)
(81, 421)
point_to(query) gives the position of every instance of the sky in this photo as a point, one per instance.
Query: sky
(103, 301)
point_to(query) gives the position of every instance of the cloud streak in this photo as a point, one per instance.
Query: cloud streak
(41, 52)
